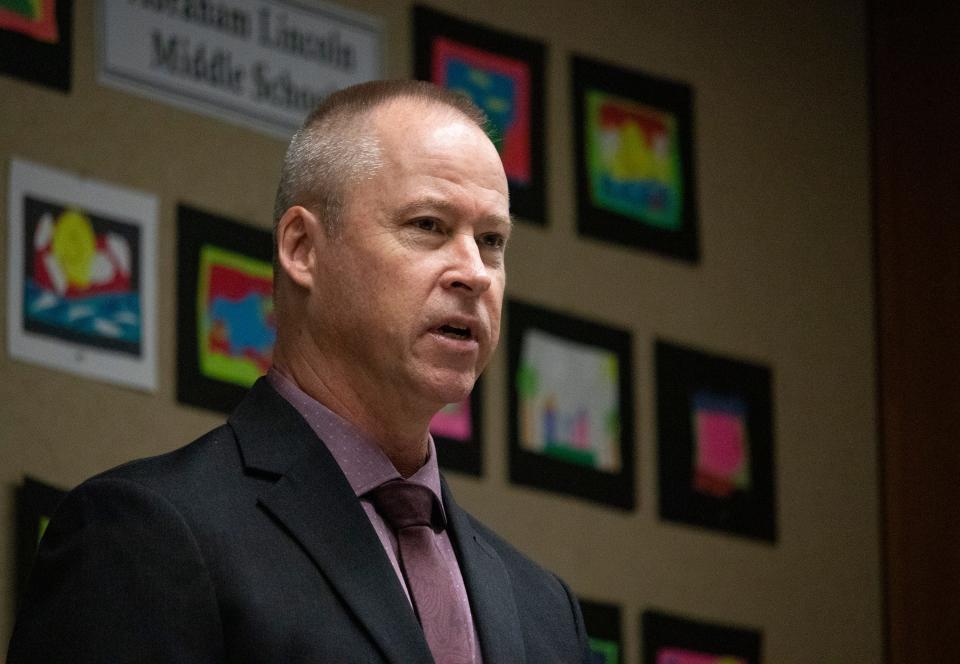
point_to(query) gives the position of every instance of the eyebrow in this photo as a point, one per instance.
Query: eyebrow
(428, 203)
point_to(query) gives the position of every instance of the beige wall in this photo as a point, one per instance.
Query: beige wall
(785, 279)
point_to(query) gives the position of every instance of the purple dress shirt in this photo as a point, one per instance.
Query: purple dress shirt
(366, 467)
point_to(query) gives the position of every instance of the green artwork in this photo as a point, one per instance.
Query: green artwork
(633, 160)
(603, 651)
(42, 524)
(568, 395)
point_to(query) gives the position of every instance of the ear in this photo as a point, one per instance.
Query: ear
(298, 233)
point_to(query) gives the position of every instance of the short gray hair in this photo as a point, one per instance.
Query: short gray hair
(335, 146)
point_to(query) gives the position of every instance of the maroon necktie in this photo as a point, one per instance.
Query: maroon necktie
(408, 509)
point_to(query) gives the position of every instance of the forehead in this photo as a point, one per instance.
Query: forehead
(407, 126)
(429, 141)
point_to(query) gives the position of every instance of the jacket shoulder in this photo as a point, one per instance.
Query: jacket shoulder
(213, 454)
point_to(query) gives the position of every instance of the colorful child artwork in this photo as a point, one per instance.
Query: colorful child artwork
(456, 434)
(500, 86)
(671, 639)
(722, 463)
(683, 656)
(81, 286)
(453, 422)
(236, 328)
(603, 651)
(503, 75)
(633, 158)
(36, 503)
(569, 401)
(34, 18)
(81, 278)
(35, 41)
(715, 439)
(226, 327)
(571, 405)
(604, 635)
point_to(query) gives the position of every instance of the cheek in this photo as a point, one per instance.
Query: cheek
(494, 305)
(494, 327)
(495, 338)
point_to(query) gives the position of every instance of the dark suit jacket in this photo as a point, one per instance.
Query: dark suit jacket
(249, 545)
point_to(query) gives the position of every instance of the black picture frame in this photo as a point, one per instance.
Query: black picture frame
(663, 632)
(515, 62)
(196, 230)
(464, 455)
(656, 210)
(541, 469)
(37, 58)
(604, 632)
(36, 503)
(715, 442)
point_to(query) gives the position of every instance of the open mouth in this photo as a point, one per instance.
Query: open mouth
(454, 332)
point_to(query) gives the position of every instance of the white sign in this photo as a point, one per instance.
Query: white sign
(261, 63)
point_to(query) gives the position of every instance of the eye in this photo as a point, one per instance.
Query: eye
(493, 240)
(428, 224)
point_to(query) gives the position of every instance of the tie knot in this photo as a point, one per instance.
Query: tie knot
(403, 504)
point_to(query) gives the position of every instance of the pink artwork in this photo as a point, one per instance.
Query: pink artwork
(722, 462)
(681, 656)
(501, 87)
(453, 421)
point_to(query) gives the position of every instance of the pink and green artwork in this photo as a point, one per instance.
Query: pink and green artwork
(236, 328)
(633, 160)
(568, 401)
(683, 656)
(672, 639)
(722, 459)
(715, 441)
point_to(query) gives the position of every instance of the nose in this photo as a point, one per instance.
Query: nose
(466, 270)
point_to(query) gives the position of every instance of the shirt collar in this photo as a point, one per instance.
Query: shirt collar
(360, 458)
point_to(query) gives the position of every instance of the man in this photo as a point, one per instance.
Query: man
(272, 539)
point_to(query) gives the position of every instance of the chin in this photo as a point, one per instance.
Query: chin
(452, 389)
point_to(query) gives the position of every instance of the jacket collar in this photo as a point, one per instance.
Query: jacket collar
(313, 501)
(488, 586)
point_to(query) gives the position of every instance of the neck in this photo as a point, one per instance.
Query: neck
(399, 430)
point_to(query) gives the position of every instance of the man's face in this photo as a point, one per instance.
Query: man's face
(408, 294)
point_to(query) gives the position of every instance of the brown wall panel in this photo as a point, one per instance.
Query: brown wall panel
(916, 60)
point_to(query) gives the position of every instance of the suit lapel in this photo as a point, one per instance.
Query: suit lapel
(315, 503)
(488, 587)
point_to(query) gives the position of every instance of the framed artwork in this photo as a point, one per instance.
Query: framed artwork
(635, 162)
(81, 286)
(456, 431)
(35, 41)
(715, 438)
(570, 395)
(503, 74)
(603, 632)
(670, 639)
(35, 504)
(225, 322)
